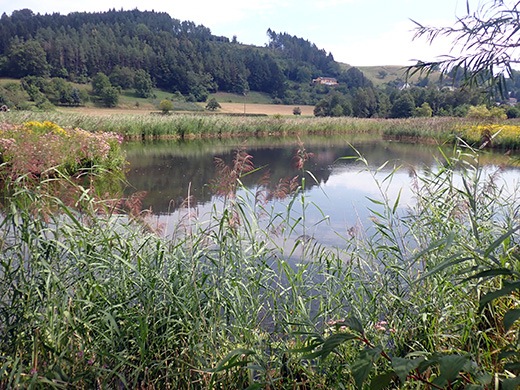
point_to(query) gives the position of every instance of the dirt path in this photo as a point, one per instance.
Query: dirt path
(269, 109)
(231, 108)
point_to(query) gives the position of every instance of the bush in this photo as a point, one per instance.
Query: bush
(37, 149)
(425, 111)
(110, 97)
(212, 104)
(513, 112)
(483, 113)
(166, 106)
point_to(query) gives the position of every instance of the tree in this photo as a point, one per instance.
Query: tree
(143, 84)
(63, 91)
(382, 74)
(212, 104)
(403, 107)
(482, 113)
(166, 106)
(122, 77)
(424, 111)
(488, 39)
(110, 96)
(364, 103)
(27, 59)
(76, 97)
(334, 104)
(100, 82)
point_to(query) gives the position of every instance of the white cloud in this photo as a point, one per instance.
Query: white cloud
(393, 47)
(217, 13)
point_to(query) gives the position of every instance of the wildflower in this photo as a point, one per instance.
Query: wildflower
(335, 322)
(382, 326)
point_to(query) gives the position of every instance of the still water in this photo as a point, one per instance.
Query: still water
(338, 192)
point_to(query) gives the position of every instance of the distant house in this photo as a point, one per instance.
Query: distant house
(325, 81)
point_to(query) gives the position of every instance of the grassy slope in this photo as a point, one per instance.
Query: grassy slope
(394, 72)
(129, 102)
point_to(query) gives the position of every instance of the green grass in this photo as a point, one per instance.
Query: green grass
(251, 98)
(384, 74)
(206, 125)
(5, 80)
(241, 298)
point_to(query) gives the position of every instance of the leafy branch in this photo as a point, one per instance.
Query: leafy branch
(487, 40)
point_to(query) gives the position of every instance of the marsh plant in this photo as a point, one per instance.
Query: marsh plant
(425, 297)
(145, 126)
(35, 149)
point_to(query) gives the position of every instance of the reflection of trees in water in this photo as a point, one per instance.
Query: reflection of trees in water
(166, 175)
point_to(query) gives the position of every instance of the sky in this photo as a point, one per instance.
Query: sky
(356, 32)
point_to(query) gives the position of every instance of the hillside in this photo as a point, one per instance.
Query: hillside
(179, 56)
(382, 75)
(115, 58)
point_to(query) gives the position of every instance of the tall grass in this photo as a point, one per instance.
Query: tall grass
(242, 297)
(194, 126)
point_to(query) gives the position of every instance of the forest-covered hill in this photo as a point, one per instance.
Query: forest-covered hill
(119, 50)
(178, 55)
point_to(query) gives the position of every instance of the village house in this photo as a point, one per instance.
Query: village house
(325, 81)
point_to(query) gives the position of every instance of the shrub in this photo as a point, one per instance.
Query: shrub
(425, 111)
(483, 113)
(166, 106)
(38, 149)
(513, 112)
(212, 105)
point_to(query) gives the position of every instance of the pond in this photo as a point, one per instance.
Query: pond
(338, 190)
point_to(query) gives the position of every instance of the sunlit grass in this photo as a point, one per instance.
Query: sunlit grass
(137, 126)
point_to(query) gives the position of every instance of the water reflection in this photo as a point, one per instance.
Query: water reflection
(340, 185)
(166, 169)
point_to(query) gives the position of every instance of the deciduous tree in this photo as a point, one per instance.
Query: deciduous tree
(212, 104)
(143, 84)
(166, 106)
(99, 82)
(28, 59)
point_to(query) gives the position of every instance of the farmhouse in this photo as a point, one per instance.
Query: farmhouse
(325, 81)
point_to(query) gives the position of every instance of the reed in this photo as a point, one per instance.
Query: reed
(244, 298)
(138, 126)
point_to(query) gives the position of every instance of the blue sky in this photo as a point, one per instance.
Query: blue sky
(357, 32)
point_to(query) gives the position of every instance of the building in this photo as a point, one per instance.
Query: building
(325, 81)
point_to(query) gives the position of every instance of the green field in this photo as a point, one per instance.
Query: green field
(384, 74)
(251, 97)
